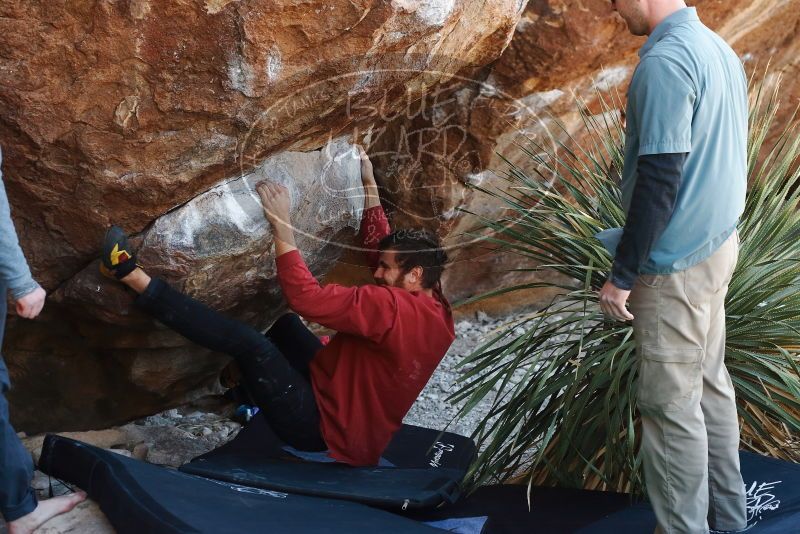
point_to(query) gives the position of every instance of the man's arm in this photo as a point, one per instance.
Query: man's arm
(663, 97)
(275, 199)
(371, 196)
(374, 224)
(368, 311)
(652, 205)
(14, 270)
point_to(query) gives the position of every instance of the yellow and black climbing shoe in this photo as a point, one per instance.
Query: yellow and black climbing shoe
(118, 259)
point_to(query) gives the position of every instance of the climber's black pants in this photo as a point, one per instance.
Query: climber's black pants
(274, 367)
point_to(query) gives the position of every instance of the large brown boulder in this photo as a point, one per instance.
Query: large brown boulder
(160, 117)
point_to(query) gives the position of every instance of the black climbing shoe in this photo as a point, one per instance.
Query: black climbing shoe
(118, 259)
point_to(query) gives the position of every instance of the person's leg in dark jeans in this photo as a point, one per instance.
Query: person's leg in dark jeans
(295, 341)
(17, 499)
(18, 503)
(282, 393)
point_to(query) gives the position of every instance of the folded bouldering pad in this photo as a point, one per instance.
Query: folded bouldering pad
(137, 497)
(421, 468)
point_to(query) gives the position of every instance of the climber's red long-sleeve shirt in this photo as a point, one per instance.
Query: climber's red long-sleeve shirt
(388, 343)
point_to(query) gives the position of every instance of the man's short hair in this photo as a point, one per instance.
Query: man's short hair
(417, 248)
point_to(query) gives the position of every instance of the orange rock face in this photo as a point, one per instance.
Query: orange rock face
(160, 117)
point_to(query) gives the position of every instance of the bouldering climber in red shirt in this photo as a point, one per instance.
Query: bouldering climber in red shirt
(349, 396)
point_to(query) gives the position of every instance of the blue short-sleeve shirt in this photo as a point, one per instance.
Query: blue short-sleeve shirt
(689, 95)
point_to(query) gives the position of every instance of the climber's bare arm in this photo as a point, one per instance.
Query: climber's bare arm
(275, 199)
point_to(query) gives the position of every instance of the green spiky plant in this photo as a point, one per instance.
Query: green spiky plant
(564, 379)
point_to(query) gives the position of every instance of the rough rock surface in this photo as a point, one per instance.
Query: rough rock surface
(120, 111)
(158, 116)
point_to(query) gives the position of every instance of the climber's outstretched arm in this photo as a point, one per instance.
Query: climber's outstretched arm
(275, 199)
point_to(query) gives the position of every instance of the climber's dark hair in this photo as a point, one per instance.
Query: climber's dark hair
(419, 248)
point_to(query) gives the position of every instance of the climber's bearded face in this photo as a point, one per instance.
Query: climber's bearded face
(634, 13)
(390, 273)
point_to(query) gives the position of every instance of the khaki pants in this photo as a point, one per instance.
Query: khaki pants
(690, 431)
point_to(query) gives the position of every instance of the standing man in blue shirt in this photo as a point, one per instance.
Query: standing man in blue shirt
(684, 183)
(17, 500)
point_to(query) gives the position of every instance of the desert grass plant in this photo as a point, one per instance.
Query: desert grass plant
(563, 379)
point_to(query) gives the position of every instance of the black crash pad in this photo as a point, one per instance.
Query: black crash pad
(773, 501)
(552, 510)
(773, 505)
(428, 466)
(137, 497)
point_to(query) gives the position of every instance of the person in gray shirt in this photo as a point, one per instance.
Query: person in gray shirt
(18, 503)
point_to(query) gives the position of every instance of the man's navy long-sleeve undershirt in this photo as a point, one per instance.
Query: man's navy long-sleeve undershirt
(654, 197)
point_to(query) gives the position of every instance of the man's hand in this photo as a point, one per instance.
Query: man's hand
(31, 304)
(371, 195)
(612, 302)
(275, 199)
